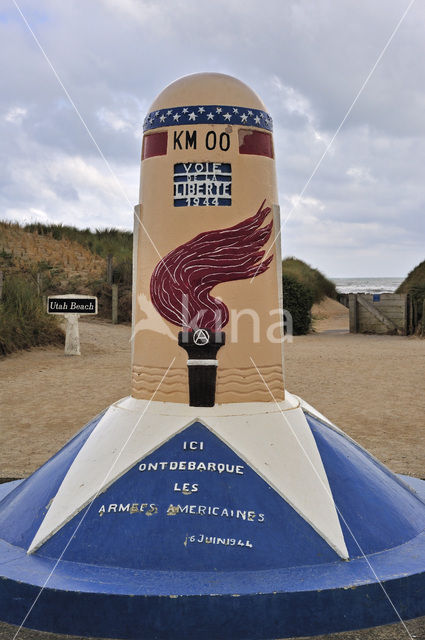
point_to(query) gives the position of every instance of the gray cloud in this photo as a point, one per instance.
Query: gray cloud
(362, 213)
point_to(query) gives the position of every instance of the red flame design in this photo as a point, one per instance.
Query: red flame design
(182, 281)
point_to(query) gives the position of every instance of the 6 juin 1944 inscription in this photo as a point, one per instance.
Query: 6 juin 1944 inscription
(210, 502)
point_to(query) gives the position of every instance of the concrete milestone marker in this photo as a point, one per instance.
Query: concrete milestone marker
(210, 503)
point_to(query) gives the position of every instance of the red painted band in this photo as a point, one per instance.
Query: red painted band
(154, 144)
(257, 143)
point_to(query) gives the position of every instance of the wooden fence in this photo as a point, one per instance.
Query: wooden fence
(384, 313)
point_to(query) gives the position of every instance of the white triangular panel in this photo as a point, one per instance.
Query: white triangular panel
(284, 453)
(119, 440)
(275, 440)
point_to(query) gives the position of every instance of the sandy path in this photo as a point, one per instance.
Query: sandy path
(46, 397)
(329, 315)
(371, 386)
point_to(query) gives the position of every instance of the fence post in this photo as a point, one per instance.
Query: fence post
(411, 325)
(352, 313)
(1, 284)
(423, 319)
(109, 268)
(114, 304)
(72, 337)
(39, 283)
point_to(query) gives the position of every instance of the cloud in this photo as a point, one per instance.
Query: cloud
(15, 114)
(362, 211)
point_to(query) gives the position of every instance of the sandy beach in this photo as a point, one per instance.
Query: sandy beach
(370, 386)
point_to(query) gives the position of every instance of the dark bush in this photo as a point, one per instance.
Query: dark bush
(298, 300)
(103, 291)
(123, 272)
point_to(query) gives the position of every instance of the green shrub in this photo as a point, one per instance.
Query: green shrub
(122, 272)
(103, 291)
(319, 285)
(298, 300)
(415, 278)
(24, 322)
(414, 285)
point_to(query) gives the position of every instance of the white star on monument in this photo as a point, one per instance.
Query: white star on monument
(185, 110)
(235, 110)
(219, 109)
(250, 113)
(257, 119)
(176, 117)
(227, 116)
(244, 117)
(169, 112)
(192, 116)
(162, 118)
(201, 109)
(210, 116)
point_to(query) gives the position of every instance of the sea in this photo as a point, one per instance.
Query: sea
(367, 285)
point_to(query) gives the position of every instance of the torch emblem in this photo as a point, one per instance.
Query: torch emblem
(181, 285)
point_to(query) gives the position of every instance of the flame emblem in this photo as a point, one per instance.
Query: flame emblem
(182, 281)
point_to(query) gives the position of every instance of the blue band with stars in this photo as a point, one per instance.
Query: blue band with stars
(208, 114)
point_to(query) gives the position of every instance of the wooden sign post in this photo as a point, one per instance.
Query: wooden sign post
(72, 306)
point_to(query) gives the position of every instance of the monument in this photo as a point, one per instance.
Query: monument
(211, 502)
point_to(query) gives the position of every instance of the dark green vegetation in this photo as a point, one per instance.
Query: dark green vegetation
(302, 287)
(414, 285)
(298, 300)
(24, 322)
(311, 278)
(415, 280)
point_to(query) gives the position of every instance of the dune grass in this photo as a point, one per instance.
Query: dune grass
(24, 322)
(415, 279)
(313, 279)
(103, 242)
(414, 285)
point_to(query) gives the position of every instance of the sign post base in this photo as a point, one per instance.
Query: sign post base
(71, 306)
(72, 338)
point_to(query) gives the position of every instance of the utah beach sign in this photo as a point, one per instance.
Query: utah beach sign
(80, 304)
(72, 306)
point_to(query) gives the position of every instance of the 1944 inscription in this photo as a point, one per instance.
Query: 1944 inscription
(227, 542)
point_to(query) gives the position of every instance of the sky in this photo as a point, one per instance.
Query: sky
(344, 81)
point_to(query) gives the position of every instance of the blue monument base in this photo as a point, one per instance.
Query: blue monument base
(83, 599)
(150, 559)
